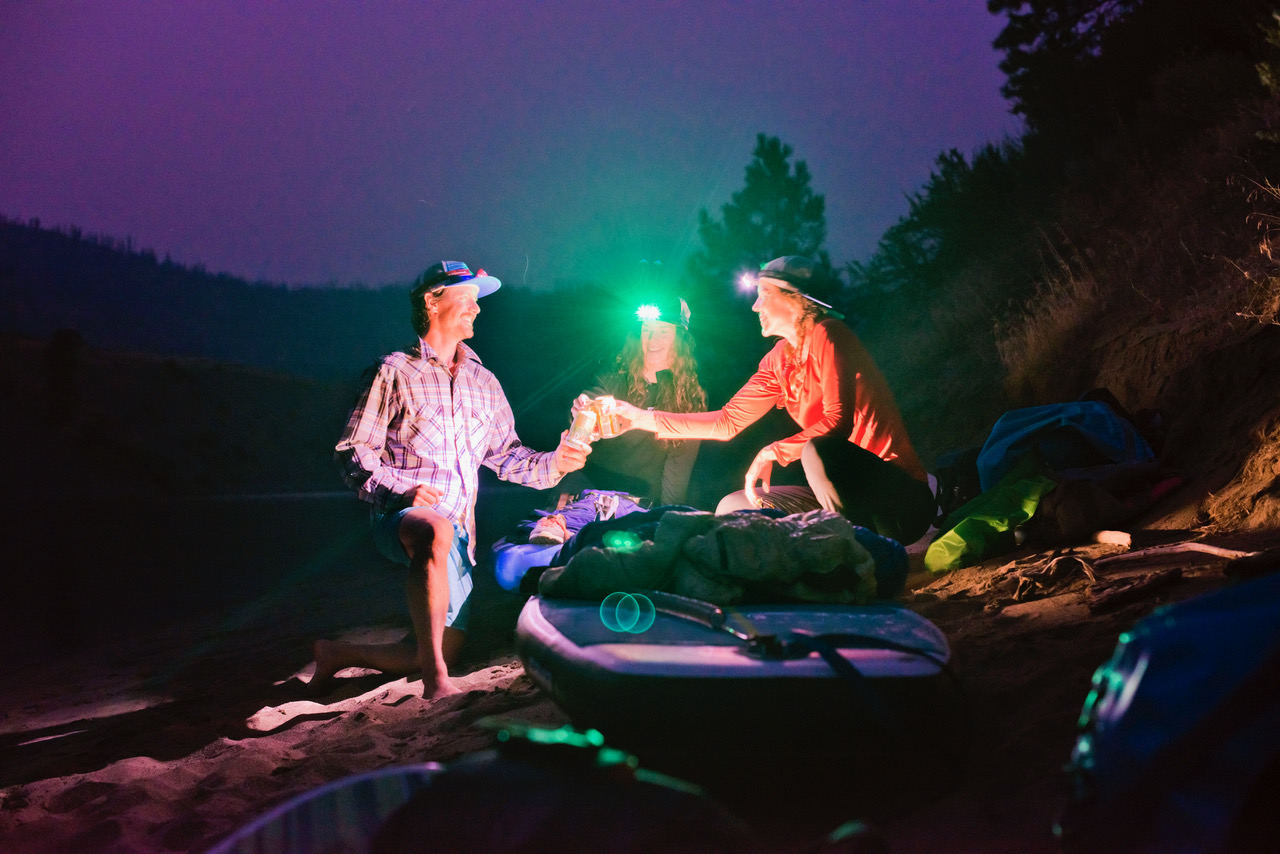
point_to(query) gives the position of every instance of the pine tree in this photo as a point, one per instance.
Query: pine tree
(775, 213)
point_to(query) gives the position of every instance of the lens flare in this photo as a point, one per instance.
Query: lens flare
(627, 613)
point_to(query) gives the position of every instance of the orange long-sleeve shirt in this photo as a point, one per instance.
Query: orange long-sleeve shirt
(842, 392)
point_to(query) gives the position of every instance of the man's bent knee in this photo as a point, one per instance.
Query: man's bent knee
(423, 530)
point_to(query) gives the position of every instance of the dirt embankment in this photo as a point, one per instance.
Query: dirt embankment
(1217, 385)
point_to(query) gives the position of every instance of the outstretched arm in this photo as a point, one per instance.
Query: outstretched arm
(635, 418)
(513, 461)
(752, 401)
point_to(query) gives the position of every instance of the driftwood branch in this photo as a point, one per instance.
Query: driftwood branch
(1110, 593)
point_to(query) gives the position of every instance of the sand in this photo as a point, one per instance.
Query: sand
(167, 734)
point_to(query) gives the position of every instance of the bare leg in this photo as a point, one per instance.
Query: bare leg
(394, 659)
(732, 502)
(788, 499)
(427, 537)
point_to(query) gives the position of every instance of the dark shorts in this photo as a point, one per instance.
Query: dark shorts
(870, 492)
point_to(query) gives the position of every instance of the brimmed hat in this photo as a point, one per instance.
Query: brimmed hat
(795, 273)
(446, 274)
(668, 309)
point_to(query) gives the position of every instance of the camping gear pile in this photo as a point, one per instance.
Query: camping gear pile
(1048, 475)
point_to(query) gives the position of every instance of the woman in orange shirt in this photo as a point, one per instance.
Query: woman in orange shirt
(857, 457)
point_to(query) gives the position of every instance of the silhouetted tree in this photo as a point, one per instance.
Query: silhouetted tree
(1053, 55)
(1131, 71)
(968, 207)
(1100, 84)
(775, 213)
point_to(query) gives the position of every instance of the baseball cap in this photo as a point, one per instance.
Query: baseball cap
(797, 274)
(449, 273)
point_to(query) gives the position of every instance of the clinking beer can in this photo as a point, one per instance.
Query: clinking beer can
(580, 432)
(610, 422)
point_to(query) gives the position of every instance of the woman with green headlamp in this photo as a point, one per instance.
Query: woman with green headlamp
(656, 369)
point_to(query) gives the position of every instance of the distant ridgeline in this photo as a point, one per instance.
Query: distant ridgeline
(544, 345)
(119, 297)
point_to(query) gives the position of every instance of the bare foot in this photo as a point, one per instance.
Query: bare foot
(326, 666)
(440, 686)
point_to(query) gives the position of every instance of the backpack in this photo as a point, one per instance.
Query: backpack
(1179, 742)
(1079, 434)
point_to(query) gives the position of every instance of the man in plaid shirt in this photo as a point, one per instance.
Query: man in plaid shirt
(412, 448)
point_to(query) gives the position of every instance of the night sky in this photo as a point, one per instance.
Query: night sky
(310, 143)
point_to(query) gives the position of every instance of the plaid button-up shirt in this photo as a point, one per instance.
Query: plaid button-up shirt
(414, 424)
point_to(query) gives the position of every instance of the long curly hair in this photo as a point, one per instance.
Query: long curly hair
(810, 315)
(684, 394)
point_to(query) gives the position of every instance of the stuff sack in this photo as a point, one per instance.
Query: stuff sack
(1068, 436)
(731, 559)
(1179, 743)
(987, 525)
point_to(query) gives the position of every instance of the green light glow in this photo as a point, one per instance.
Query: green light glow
(623, 541)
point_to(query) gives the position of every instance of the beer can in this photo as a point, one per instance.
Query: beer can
(580, 432)
(610, 422)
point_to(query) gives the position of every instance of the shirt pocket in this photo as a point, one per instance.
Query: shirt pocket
(426, 433)
(477, 427)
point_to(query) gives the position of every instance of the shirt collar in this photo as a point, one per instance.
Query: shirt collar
(465, 353)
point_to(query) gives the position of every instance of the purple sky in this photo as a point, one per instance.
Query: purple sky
(357, 142)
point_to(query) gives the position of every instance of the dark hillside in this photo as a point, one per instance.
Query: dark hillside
(1168, 300)
(1125, 242)
(545, 345)
(123, 299)
(132, 423)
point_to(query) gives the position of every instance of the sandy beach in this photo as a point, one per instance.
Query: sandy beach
(166, 734)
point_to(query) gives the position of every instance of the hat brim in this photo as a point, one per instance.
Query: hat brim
(795, 288)
(787, 285)
(486, 284)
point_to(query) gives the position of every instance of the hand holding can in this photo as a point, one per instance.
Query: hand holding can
(609, 423)
(582, 432)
